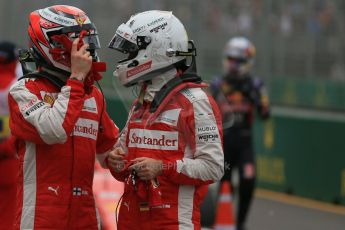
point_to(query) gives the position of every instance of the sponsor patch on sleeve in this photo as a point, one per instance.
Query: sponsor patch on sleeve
(208, 138)
(206, 129)
(207, 133)
(32, 106)
(28, 105)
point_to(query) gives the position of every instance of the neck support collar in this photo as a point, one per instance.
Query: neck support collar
(51, 78)
(170, 86)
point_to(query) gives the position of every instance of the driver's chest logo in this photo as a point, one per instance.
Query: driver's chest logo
(153, 139)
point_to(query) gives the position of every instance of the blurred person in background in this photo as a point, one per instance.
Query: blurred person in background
(60, 123)
(8, 161)
(171, 146)
(238, 94)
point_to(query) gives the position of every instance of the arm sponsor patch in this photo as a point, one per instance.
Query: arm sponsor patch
(33, 108)
(207, 132)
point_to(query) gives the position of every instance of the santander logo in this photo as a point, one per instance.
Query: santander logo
(86, 128)
(153, 139)
(139, 69)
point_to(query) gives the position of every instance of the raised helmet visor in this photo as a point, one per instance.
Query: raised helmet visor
(123, 40)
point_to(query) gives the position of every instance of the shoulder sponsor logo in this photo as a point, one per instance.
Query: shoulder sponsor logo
(34, 108)
(90, 105)
(28, 105)
(169, 117)
(189, 95)
(139, 69)
(207, 132)
(153, 139)
(204, 116)
(86, 128)
(206, 129)
(208, 138)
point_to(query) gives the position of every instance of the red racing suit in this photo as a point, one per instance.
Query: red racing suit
(185, 133)
(58, 135)
(8, 160)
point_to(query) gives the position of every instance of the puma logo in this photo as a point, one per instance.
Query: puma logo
(126, 204)
(55, 190)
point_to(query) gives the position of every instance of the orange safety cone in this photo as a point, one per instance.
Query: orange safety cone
(225, 214)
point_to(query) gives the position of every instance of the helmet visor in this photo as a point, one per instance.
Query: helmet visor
(92, 40)
(122, 44)
(237, 60)
(73, 32)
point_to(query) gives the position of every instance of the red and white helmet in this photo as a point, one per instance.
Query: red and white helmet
(239, 54)
(51, 33)
(156, 42)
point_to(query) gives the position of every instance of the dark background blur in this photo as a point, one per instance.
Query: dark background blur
(294, 38)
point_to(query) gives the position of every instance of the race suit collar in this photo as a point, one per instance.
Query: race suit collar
(157, 84)
(56, 74)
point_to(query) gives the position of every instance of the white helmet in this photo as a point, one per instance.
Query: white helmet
(154, 41)
(239, 55)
